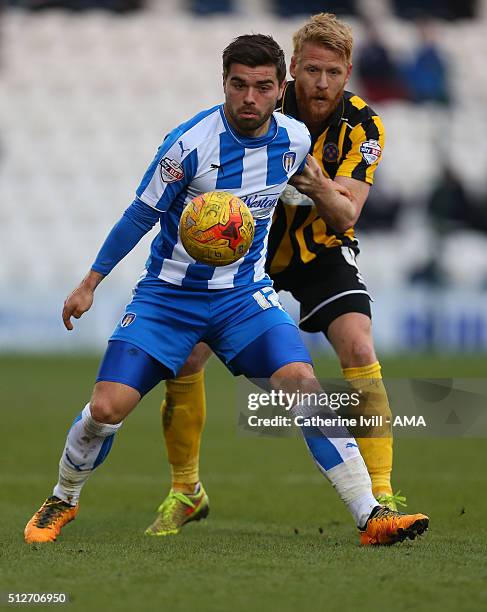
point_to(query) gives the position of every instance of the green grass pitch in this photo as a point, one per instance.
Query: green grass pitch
(277, 537)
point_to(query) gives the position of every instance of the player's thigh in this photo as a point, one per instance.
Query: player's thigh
(129, 366)
(273, 352)
(197, 360)
(165, 321)
(252, 333)
(351, 336)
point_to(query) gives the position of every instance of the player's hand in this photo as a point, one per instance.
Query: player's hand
(76, 304)
(81, 299)
(313, 183)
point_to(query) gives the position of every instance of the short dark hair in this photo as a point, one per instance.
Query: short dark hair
(255, 50)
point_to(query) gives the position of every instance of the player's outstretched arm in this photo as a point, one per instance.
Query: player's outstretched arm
(81, 299)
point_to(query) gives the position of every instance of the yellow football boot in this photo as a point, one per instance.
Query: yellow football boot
(177, 510)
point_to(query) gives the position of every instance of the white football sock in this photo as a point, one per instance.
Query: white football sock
(340, 461)
(352, 482)
(87, 446)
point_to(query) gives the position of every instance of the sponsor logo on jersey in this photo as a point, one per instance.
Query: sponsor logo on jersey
(288, 160)
(330, 152)
(261, 205)
(371, 151)
(171, 170)
(128, 319)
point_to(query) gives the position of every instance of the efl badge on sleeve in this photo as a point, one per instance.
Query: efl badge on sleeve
(288, 160)
(171, 170)
(127, 319)
(330, 152)
(371, 151)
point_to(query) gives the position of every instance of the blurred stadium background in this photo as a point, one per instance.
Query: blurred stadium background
(90, 88)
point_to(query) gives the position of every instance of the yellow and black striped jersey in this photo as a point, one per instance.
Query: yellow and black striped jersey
(350, 145)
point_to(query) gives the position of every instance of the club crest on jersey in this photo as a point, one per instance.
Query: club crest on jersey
(128, 319)
(171, 170)
(288, 160)
(371, 151)
(330, 152)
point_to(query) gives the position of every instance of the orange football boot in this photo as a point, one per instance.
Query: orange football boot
(386, 527)
(47, 522)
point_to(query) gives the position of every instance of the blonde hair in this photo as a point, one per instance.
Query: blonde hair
(325, 29)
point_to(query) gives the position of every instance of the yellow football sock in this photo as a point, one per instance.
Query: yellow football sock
(376, 449)
(183, 417)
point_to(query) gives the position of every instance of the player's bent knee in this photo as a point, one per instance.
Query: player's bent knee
(103, 411)
(358, 353)
(296, 370)
(294, 376)
(112, 402)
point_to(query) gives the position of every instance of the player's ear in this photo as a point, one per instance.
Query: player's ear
(282, 86)
(349, 72)
(292, 67)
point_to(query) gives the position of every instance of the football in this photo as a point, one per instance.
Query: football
(216, 228)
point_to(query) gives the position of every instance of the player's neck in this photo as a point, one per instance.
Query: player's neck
(315, 127)
(315, 124)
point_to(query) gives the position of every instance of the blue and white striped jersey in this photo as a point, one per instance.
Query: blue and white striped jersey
(205, 154)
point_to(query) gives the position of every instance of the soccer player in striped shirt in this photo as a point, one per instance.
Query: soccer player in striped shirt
(312, 253)
(245, 147)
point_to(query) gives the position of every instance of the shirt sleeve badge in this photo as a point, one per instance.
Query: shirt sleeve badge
(371, 151)
(171, 170)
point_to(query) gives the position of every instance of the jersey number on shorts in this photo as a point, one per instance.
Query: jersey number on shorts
(267, 298)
